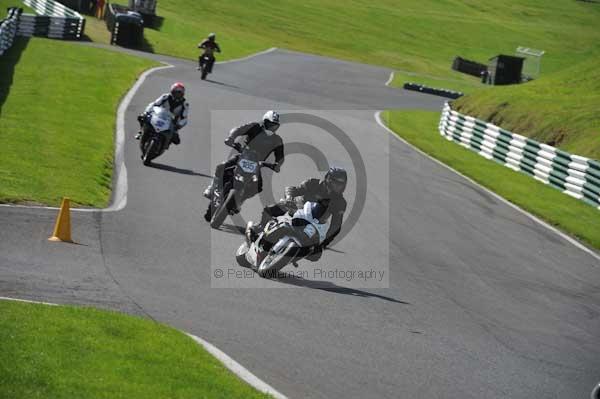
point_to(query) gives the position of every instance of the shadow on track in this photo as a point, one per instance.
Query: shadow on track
(8, 62)
(222, 84)
(174, 169)
(337, 251)
(331, 287)
(233, 229)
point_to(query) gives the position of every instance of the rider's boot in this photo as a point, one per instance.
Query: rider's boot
(208, 191)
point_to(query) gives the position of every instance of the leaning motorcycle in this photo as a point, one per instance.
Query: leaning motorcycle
(158, 128)
(240, 182)
(282, 241)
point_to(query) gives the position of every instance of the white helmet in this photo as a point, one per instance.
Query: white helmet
(271, 121)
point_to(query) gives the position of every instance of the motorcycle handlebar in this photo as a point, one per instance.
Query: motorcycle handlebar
(267, 164)
(234, 145)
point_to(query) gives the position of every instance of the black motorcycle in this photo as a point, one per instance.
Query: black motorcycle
(206, 63)
(240, 182)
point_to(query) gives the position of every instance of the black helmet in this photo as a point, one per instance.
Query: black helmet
(336, 179)
(212, 36)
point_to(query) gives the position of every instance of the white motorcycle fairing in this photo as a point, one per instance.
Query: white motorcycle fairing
(161, 120)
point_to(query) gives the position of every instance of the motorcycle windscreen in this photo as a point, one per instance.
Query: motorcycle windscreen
(161, 120)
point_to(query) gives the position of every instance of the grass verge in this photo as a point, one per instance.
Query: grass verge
(72, 352)
(57, 119)
(420, 128)
(4, 4)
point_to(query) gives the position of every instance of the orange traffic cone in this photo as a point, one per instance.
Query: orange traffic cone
(62, 228)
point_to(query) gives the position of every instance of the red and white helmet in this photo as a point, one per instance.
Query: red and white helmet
(178, 90)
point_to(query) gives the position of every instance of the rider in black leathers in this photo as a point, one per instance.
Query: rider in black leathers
(260, 137)
(209, 45)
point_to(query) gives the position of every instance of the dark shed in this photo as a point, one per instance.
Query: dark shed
(505, 69)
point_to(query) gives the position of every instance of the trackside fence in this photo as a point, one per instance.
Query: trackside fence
(53, 20)
(8, 29)
(574, 175)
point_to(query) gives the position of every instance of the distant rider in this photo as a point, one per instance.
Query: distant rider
(327, 192)
(257, 136)
(175, 102)
(209, 45)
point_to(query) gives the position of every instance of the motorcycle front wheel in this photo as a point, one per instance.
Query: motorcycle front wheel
(150, 148)
(221, 213)
(274, 262)
(240, 256)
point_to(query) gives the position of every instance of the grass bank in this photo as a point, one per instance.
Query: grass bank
(420, 128)
(72, 352)
(560, 109)
(58, 103)
(412, 35)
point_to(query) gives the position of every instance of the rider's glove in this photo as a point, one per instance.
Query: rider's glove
(229, 142)
(276, 167)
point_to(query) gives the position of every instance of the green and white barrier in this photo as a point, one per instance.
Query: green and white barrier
(53, 20)
(51, 8)
(574, 175)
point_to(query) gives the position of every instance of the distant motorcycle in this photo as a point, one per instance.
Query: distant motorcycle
(206, 64)
(158, 128)
(282, 241)
(240, 182)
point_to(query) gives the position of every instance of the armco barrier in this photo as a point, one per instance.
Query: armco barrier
(432, 90)
(54, 20)
(574, 175)
(8, 29)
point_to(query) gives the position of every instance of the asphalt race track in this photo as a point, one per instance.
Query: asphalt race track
(482, 301)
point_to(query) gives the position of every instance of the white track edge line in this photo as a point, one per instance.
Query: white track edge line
(391, 78)
(119, 197)
(27, 301)
(565, 236)
(248, 57)
(236, 368)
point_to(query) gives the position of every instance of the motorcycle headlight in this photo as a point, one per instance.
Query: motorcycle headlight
(255, 178)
